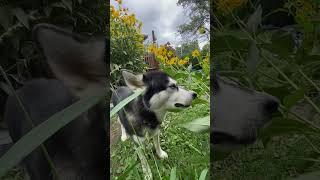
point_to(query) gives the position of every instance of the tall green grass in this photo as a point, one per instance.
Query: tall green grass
(267, 60)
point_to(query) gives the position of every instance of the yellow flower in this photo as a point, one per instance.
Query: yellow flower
(114, 12)
(196, 53)
(162, 51)
(206, 60)
(152, 48)
(130, 20)
(119, 1)
(173, 61)
(182, 62)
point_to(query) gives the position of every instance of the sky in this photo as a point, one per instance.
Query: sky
(162, 16)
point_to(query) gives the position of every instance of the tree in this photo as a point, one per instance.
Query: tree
(186, 48)
(199, 14)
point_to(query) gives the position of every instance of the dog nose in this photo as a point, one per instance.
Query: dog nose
(271, 106)
(194, 95)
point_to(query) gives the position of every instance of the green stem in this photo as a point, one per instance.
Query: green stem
(292, 84)
(309, 80)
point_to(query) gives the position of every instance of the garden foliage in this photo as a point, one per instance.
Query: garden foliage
(126, 42)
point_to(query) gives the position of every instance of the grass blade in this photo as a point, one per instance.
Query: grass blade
(173, 174)
(308, 176)
(125, 102)
(126, 173)
(198, 125)
(203, 174)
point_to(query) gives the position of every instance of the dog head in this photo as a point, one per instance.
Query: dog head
(161, 91)
(238, 113)
(77, 60)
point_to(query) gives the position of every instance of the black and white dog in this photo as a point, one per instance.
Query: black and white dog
(237, 113)
(145, 113)
(79, 150)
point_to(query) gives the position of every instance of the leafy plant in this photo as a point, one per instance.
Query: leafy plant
(272, 61)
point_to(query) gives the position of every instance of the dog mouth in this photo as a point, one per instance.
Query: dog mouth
(181, 105)
(221, 138)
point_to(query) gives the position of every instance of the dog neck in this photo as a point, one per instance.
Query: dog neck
(159, 112)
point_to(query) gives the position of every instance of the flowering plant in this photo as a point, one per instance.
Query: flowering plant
(126, 40)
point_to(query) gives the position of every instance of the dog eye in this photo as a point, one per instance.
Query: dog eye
(173, 86)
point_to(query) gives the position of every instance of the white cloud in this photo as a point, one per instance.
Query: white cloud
(162, 16)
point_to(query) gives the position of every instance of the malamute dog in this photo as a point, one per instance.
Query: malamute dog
(237, 113)
(78, 150)
(145, 113)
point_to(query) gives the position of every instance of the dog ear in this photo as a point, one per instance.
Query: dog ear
(78, 61)
(133, 81)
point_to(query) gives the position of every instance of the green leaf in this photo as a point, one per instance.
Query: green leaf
(293, 98)
(125, 102)
(254, 20)
(180, 75)
(198, 125)
(21, 16)
(203, 174)
(253, 58)
(68, 4)
(308, 176)
(42, 132)
(59, 5)
(173, 174)
(226, 42)
(5, 88)
(282, 43)
(280, 126)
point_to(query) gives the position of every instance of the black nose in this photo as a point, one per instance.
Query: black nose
(271, 106)
(194, 95)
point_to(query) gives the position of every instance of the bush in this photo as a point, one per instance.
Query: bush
(19, 55)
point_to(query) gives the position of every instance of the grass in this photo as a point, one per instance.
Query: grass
(281, 158)
(14, 174)
(189, 152)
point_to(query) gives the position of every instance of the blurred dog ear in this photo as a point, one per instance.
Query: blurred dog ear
(78, 61)
(133, 81)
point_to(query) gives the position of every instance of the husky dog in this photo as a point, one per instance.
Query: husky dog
(145, 113)
(237, 113)
(78, 150)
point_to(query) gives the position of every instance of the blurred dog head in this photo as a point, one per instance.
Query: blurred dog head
(238, 113)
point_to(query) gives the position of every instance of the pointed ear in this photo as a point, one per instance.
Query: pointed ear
(78, 61)
(133, 81)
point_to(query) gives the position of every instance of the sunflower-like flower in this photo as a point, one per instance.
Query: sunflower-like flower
(196, 53)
